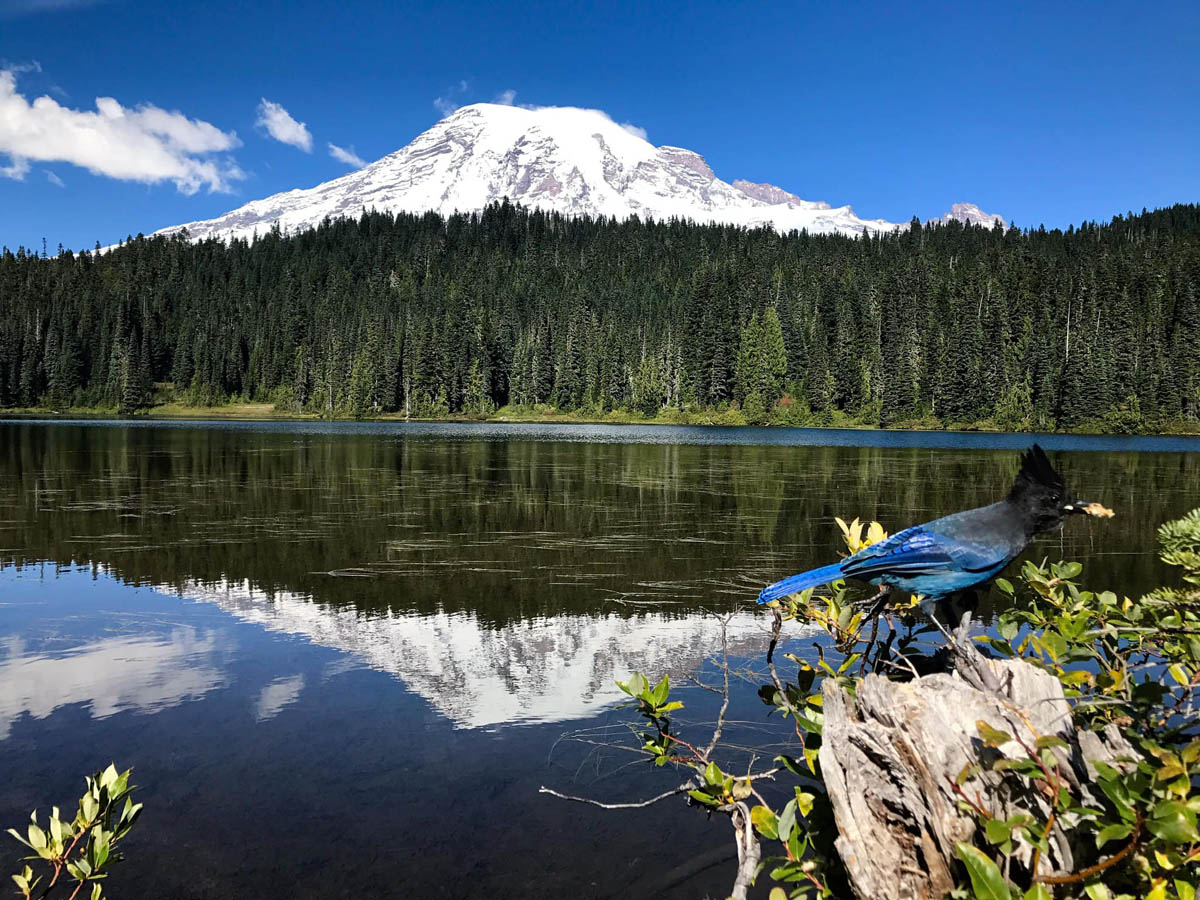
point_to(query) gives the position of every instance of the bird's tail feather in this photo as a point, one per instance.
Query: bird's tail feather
(794, 584)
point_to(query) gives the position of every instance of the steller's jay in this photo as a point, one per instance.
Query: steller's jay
(959, 551)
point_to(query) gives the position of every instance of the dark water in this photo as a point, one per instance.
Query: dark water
(340, 657)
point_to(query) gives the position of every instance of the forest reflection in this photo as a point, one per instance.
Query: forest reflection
(515, 529)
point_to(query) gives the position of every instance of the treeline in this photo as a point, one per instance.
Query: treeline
(1095, 326)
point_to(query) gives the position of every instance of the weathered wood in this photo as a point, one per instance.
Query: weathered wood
(890, 756)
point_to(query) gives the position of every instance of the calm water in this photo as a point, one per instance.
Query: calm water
(341, 657)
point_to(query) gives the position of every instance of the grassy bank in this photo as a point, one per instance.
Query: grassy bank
(731, 416)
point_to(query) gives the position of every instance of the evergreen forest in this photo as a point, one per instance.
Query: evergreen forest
(1093, 328)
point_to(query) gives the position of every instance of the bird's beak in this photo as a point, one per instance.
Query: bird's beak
(1088, 509)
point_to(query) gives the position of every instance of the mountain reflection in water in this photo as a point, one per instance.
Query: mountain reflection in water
(546, 669)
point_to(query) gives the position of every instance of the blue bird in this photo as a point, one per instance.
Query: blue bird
(960, 551)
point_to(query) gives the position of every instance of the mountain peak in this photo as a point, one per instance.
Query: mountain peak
(970, 214)
(564, 159)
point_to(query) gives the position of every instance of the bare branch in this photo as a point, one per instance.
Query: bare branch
(781, 693)
(639, 804)
(749, 851)
(720, 726)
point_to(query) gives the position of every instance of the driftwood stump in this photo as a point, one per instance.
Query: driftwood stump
(890, 756)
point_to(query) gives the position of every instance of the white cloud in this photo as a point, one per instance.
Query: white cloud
(145, 144)
(17, 169)
(53, 179)
(281, 126)
(14, 8)
(635, 130)
(506, 98)
(21, 68)
(347, 156)
(448, 102)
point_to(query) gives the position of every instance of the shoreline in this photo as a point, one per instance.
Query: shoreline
(266, 412)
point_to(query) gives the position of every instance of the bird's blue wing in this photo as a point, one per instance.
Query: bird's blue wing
(919, 551)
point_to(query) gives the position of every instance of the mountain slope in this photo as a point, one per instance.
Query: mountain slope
(573, 161)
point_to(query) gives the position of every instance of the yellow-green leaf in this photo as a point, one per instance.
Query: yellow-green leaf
(993, 737)
(765, 822)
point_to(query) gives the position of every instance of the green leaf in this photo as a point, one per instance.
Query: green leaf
(1038, 892)
(777, 893)
(1050, 740)
(766, 822)
(993, 737)
(804, 802)
(713, 774)
(1113, 832)
(998, 831)
(661, 690)
(635, 686)
(1097, 892)
(705, 798)
(791, 764)
(1005, 586)
(1174, 822)
(37, 837)
(787, 821)
(1185, 890)
(986, 880)
(970, 770)
(1069, 570)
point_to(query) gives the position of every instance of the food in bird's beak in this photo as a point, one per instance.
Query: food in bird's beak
(1097, 510)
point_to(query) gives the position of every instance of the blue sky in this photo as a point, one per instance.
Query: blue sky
(1043, 112)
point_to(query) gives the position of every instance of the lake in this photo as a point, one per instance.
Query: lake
(341, 658)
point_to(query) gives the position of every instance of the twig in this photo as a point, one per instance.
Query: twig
(720, 726)
(640, 804)
(1084, 874)
(782, 694)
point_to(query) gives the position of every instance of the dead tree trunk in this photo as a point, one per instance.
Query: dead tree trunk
(889, 758)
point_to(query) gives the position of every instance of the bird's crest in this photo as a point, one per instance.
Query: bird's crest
(1036, 470)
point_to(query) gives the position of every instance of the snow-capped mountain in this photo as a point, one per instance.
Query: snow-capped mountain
(568, 160)
(970, 214)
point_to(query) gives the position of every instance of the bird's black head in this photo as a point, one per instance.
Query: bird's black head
(1042, 497)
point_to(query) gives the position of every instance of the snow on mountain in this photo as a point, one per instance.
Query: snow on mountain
(970, 214)
(563, 159)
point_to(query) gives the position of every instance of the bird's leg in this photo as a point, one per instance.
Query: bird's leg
(877, 605)
(878, 602)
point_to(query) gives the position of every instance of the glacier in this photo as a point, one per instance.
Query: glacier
(573, 161)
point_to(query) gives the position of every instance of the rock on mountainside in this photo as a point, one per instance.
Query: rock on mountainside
(568, 160)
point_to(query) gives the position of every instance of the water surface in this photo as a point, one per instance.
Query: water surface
(340, 657)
